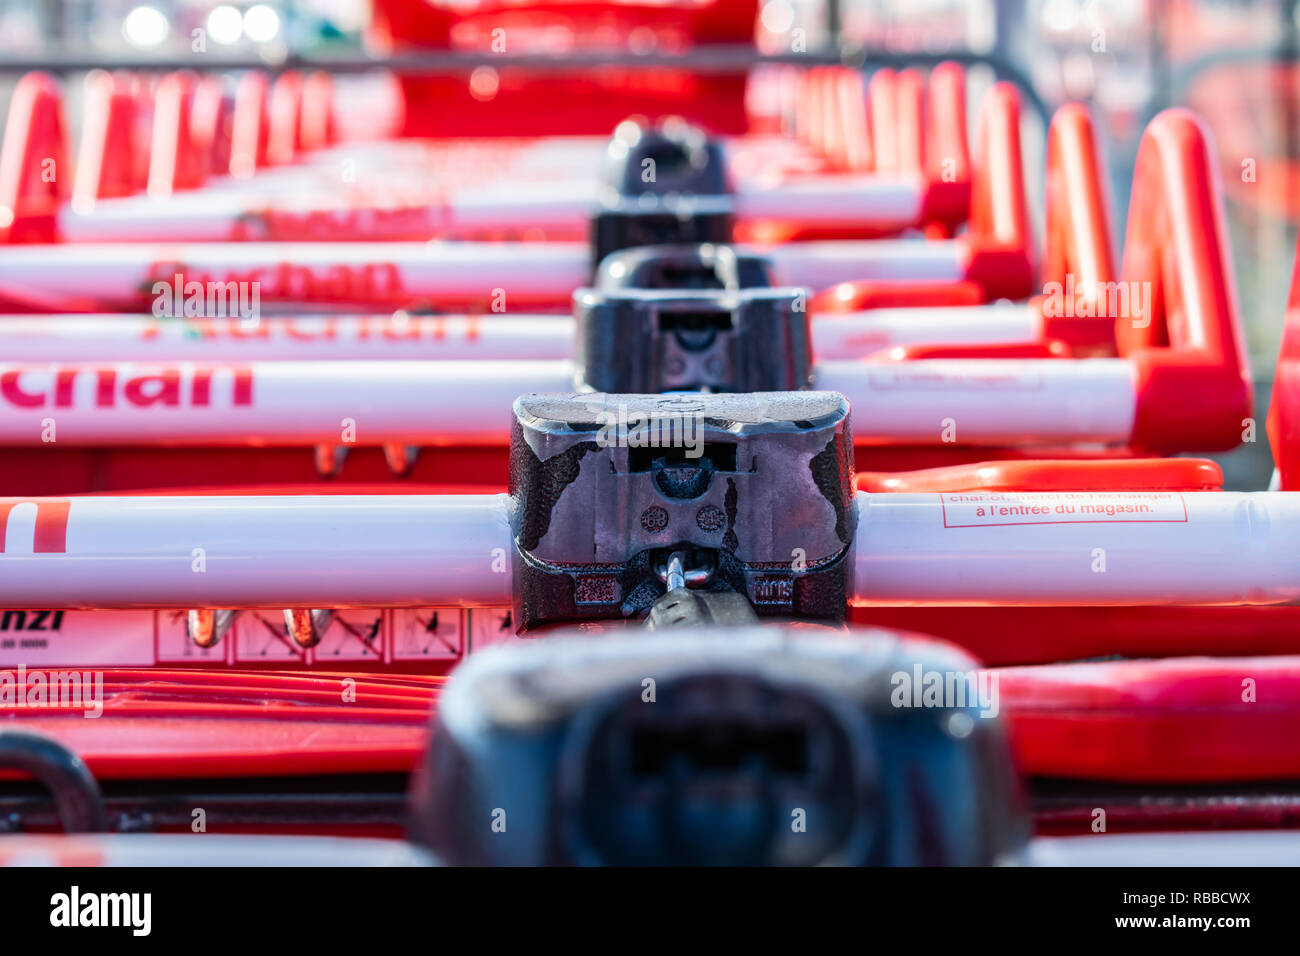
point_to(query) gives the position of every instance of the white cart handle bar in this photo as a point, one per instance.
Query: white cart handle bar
(445, 551)
(429, 403)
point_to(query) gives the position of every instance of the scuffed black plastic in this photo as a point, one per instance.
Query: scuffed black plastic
(699, 266)
(770, 493)
(634, 340)
(663, 184)
(743, 746)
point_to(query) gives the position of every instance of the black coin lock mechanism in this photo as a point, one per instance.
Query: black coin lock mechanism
(663, 184)
(744, 493)
(636, 340)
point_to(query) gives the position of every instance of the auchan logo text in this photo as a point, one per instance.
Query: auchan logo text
(186, 385)
(334, 328)
(328, 282)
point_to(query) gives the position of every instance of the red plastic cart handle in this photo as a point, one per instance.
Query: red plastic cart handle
(1284, 408)
(997, 248)
(1005, 635)
(920, 127)
(249, 125)
(1173, 314)
(107, 164)
(1078, 262)
(1177, 720)
(1137, 474)
(1194, 381)
(233, 723)
(189, 142)
(32, 161)
(175, 159)
(1000, 242)
(946, 154)
(197, 132)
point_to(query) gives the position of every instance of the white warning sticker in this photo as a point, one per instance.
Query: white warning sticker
(989, 509)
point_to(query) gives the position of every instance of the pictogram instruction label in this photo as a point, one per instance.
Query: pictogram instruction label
(990, 509)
